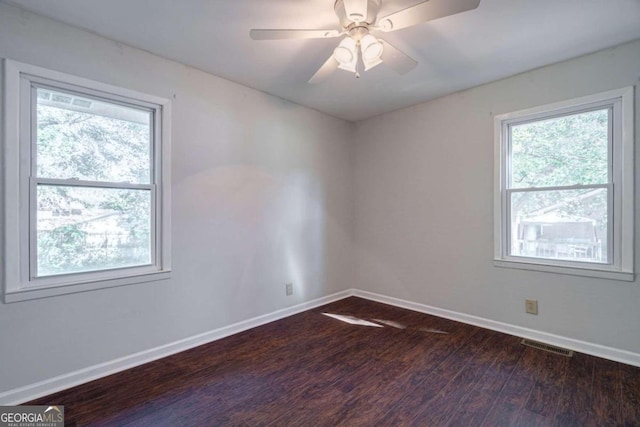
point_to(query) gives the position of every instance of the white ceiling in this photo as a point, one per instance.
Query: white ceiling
(498, 39)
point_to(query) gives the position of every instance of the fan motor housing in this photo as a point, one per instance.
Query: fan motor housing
(373, 6)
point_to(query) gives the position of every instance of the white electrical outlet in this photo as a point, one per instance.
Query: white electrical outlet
(531, 306)
(289, 289)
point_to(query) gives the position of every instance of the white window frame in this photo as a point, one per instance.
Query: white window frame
(620, 188)
(19, 282)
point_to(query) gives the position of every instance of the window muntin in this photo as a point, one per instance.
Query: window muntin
(564, 187)
(87, 194)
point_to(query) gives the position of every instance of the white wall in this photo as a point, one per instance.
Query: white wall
(262, 196)
(424, 208)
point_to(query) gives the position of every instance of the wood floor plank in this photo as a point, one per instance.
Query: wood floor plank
(516, 391)
(575, 404)
(607, 390)
(630, 395)
(484, 394)
(502, 414)
(310, 369)
(528, 418)
(546, 391)
(428, 382)
(441, 408)
(392, 380)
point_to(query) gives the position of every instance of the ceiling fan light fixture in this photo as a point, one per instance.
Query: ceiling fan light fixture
(349, 67)
(371, 63)
(343, 55)
(346, 54)
(371, 48)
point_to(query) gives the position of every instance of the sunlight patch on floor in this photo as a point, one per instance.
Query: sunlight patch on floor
(391, 323)
(353, 320)
(380, 323)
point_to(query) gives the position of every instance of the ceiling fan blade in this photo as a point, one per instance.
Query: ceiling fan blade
(426, 11)
(325, 71)
(356, 10)
(396, 59)
(293, 34)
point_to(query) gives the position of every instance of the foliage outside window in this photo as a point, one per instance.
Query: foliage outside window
(564, 187)
(92, 193)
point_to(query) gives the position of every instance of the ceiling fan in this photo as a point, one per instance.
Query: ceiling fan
(358, 19)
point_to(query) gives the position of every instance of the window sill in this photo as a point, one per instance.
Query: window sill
(574, 271)
(25, 294)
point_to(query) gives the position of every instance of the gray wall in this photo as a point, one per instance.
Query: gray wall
(424, 208)
(262, 195)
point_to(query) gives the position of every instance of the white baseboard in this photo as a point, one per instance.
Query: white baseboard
(55, 384)
(598, 350)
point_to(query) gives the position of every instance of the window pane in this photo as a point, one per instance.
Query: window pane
(87, 139)
(563, 224)
(83, 229)
(566, 150)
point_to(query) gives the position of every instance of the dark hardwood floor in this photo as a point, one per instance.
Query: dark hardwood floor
(312, 370)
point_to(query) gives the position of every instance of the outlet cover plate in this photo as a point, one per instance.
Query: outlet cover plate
(531, 306)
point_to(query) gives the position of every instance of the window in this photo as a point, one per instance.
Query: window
(564, 187)
(87, 188)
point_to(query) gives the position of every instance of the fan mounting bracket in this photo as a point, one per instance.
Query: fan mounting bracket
(357, 31)
(373, 6)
